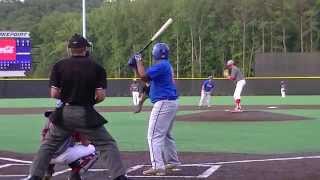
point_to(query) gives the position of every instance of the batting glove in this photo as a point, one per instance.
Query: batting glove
(134, 59)
(132, 62)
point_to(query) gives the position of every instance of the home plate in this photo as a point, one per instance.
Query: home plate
(272, 107)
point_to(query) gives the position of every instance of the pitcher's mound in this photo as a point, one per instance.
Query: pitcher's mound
(239, 116)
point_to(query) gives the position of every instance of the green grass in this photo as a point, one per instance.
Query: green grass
(21, 133)
(190, 100)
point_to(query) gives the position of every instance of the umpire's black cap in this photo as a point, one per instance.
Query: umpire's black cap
(78, 41)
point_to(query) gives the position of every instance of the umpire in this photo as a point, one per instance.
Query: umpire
(80, 83)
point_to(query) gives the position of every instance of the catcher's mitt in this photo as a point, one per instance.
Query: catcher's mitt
(226, 73)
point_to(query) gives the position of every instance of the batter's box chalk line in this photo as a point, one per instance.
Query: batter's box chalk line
(208, 172)
(18, 162)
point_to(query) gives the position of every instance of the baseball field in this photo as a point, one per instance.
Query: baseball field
(274, 138)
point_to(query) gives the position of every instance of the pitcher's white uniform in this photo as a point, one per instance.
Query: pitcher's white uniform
(240, 82)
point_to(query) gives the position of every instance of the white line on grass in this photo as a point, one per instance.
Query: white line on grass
(134, 168)
(61, 172)
(8, 165)
(205, 174)
(15, 160)
(13, 176)
(5, 165)
(209, 171)
(98, 170)
(264, 160)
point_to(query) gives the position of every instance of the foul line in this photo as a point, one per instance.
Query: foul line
(15, 160)
(264, 160)
(205, 174)
(61, 172)
(8, 165)
(13, 176)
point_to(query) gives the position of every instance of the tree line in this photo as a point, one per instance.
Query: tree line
(204, 34)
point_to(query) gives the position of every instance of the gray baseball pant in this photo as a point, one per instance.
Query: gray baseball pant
(162, 145)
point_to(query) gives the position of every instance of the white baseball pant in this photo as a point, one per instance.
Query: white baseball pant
(205, 99)
(73, 153)
(162, 145)
(239, 86)
(283, 92)
(135, 97)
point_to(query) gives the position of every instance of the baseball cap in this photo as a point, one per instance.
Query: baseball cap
(78, 41)
(230, 62)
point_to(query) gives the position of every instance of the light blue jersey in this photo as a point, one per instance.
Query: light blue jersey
(162, 82)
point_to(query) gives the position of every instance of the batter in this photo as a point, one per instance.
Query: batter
(163, 94)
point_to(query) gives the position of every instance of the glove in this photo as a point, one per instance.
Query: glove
(132, 62)
(225, 73)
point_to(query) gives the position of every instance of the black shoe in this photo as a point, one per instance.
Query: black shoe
(74, 176)
(122, 177)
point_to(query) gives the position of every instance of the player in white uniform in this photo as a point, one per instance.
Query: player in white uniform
(134, 88)
(283, 89)
(240, 82)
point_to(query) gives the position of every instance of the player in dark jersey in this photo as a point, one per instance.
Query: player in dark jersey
(80, 83)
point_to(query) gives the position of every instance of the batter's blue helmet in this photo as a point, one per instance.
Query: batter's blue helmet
(160, 51)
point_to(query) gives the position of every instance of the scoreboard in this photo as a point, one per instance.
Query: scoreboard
(15, 51)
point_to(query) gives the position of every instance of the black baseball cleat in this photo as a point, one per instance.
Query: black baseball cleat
(74, 176)
(122, 177)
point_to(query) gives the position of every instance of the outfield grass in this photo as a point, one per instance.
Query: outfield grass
(190, 100)
(21, 133)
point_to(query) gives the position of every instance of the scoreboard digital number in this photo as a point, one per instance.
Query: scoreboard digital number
(15, 51)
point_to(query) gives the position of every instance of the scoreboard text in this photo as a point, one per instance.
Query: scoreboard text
(15, 51)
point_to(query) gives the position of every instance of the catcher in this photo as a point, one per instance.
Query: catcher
(76, 152)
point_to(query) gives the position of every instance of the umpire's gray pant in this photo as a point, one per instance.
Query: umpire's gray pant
(74, 119)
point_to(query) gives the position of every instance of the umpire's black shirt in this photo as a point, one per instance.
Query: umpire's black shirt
(78, 77)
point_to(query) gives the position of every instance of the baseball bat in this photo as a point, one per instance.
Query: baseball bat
(157, 34)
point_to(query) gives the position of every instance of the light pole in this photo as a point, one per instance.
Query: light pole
(84, 18)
